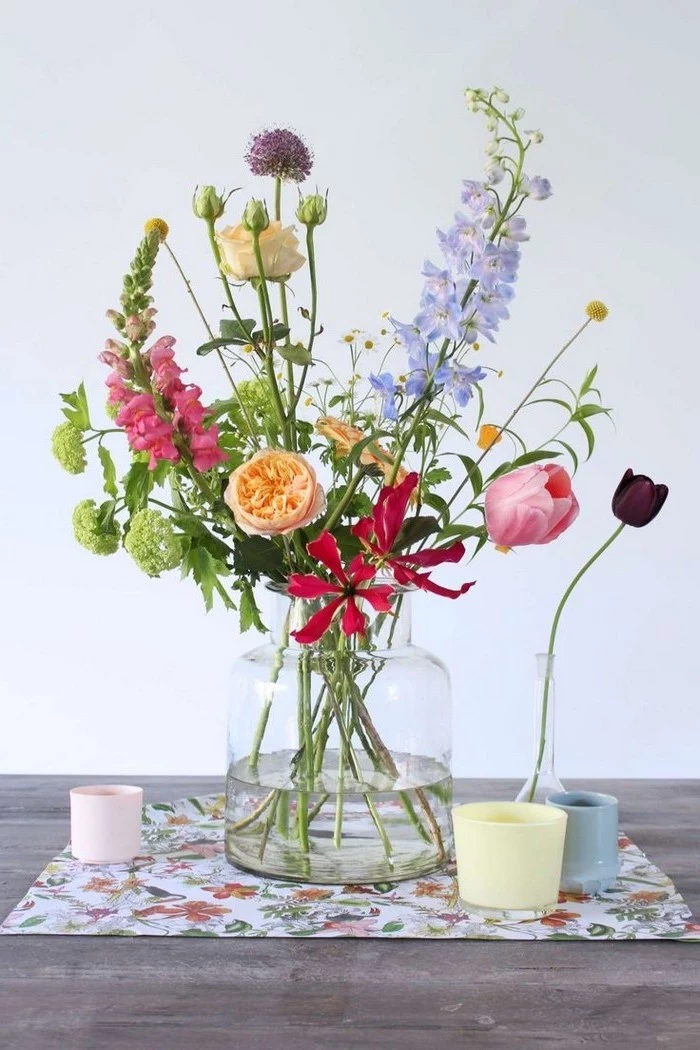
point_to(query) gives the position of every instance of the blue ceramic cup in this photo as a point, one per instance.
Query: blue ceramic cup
(591, 859)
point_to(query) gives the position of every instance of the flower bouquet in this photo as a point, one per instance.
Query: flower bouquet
(341, 478)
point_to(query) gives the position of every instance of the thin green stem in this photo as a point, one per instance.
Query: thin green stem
(342, 506)
(222, 276)
(550, 651)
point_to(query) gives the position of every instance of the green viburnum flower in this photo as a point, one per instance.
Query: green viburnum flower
(90, 532)
(67, 447)
(256, 398)
(112, 410)
(152, 542)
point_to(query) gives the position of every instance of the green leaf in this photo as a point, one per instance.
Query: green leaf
(551, 401)
(76, 410)
(256, 556)
(348, 544)
(33, 920)
(233, 331)
(207, 570)
(584, 411)
(534, 457)
(436, 476)
(439, 504)
(214, 344)
(248, 610)
(137, 482)
(392, 927)
(297, 354)
(588, 381)
(416, 529)
(590, 436)
(238, 926)
(357, 450)
(462, 532)
(473, 473)
(447, 421)
(569, 449)
(109, 471)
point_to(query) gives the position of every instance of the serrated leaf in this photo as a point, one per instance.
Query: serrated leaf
(437, 476)
(257, 556)
(109, 471)
(297, 354)
(248, 610)
(207, 570)
(76, 410)
(137, 482)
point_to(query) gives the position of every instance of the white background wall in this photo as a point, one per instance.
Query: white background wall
(115, 111)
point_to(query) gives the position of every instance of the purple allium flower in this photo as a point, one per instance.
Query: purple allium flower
(385, 386)
(462, 382)
(280, 153)
(439, 318)
(536, 187)
(496, 264)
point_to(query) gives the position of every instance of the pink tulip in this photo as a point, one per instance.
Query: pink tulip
(534, 504)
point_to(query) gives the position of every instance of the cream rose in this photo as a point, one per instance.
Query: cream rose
(278, 248)
(274, 493)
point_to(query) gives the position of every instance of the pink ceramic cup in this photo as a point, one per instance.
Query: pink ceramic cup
(105, 823)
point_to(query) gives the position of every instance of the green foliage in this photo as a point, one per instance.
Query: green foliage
(248, 611)
(76, 408)
(138, 282)
(67, 447)
(207, 572)
(109, 471)
(256, 556)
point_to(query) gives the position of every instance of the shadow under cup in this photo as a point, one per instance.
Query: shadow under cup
(509, 858)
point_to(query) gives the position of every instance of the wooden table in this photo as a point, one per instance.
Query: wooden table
(101, 993)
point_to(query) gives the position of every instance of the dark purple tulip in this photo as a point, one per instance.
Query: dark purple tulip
(637, 499)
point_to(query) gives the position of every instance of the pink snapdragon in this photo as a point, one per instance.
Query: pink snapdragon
(146, 431)
(166, 373)
(204, 445)
(138, 327)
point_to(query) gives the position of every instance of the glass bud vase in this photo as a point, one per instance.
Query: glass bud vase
(543, 781)
(339, 753)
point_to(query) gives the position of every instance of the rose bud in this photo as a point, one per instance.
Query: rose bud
(312, 210)
(255, 218)
(208, 204)
(637, 499)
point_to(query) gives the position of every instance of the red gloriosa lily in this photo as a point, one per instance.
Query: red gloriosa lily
(352, 584)
(380, 532)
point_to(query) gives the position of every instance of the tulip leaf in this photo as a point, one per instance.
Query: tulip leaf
(297, 354)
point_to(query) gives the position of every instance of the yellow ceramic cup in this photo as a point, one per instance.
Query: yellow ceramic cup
(509, 858)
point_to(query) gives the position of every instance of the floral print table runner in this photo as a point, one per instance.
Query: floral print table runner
(182, 886)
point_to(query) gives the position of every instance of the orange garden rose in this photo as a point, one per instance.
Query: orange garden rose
(274, 493)
(345, 436)
(278, 248)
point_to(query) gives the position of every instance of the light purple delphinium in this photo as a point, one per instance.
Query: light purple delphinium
(462, 382)
(536, 187)
(385, 386)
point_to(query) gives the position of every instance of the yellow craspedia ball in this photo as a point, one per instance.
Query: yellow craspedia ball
(596, 310)
(157, 224)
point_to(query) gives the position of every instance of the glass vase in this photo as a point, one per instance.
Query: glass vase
(339, 753)
(543, 781)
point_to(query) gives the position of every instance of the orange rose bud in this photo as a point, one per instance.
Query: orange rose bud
(274, 493)
(489, 435)
(345, 436)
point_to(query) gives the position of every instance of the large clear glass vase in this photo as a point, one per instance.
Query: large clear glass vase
(339, 753)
